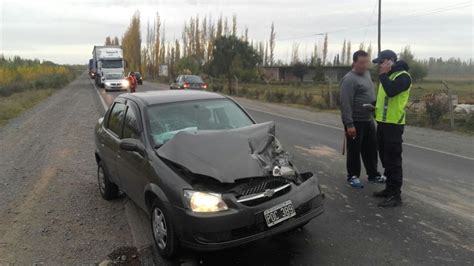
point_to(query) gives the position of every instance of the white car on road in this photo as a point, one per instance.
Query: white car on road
(116, 81)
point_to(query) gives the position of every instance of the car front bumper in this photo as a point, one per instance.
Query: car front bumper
(242, 224)
(115, 88)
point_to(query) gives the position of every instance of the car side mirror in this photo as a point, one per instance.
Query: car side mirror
(132, 145)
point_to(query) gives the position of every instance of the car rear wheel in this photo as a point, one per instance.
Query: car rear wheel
(163, 231)
(107, 189)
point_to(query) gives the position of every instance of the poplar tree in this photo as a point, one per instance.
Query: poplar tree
(343, 54)
(348, 55)
(108, 41)
(131, 43)
(272, 44)
(325, 49)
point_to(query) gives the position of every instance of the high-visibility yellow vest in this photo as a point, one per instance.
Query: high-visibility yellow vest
(392, 109)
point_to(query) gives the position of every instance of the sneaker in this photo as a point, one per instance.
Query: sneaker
(391, 201)
(355, 182)
(382, 194)
(380, 179)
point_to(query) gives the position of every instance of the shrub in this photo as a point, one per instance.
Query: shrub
(18, 75)
(308, 98)
(436, 106)
(292, 97)
(217, 87)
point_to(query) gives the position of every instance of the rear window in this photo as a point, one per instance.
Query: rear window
(166, 120)
(193, 79)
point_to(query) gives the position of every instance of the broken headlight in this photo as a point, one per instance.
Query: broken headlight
(204, 201)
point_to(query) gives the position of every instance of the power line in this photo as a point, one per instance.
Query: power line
(395, 19)
(370, 18)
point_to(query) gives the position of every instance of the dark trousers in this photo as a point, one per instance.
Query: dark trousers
(389, 139)
(365, 145)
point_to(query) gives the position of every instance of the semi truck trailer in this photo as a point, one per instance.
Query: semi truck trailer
(107, 59)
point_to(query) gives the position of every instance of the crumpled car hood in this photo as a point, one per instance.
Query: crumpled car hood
(225, 155)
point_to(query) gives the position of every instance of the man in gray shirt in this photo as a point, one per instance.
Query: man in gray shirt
(357, 112)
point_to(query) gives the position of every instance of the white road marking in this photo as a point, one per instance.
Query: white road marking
(341, 129)
(100, 96)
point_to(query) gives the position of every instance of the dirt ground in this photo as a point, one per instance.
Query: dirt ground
(50, 209)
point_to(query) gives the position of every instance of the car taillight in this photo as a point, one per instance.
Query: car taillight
(204, 86)
(186, 85)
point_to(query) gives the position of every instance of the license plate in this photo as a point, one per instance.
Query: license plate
(279, 213)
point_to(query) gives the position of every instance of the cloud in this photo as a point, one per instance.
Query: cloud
(65, 31)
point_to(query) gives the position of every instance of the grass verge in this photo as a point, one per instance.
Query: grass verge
(15, 104)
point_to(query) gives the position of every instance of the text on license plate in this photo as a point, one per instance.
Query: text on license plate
(279, 213)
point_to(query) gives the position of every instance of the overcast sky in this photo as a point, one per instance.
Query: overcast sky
(65, 31)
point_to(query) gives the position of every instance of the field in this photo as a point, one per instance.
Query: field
(24, 83)
(316, 96)
(463, 88)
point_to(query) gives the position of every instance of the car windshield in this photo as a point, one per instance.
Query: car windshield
(113, 76)
(194, 79)
(166, 120)
(117, 63)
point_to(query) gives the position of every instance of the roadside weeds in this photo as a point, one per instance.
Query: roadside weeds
(15, 104)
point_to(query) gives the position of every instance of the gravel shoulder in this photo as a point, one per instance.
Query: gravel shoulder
(50, 209)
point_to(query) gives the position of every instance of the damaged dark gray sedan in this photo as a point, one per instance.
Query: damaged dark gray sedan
(208, 175)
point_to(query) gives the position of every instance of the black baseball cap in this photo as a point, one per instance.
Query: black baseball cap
(385, 54)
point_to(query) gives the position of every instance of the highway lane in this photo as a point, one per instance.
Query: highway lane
(435, 226)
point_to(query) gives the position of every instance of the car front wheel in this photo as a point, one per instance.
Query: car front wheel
(107, 189)
(163, 231)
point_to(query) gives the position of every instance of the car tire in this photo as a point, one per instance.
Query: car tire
(107, 189)
(162, 229)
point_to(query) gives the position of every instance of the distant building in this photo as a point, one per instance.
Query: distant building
(285, 73)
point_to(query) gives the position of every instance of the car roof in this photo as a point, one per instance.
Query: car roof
(170, 96)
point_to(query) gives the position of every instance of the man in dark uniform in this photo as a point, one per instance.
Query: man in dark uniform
(392, 98)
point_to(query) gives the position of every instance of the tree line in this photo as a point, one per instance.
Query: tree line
(195, 50)
(18, 74)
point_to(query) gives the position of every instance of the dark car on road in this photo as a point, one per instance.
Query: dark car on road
(208, 175)
(191, 82)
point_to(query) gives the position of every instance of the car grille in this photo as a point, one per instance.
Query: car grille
(259, 186)
(261, 190)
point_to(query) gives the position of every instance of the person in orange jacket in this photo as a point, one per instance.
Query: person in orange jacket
(133, 82)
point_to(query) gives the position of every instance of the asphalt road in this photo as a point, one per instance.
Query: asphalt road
(435, 225)
(51, 211)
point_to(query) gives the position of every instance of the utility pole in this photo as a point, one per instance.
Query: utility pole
(379, 28)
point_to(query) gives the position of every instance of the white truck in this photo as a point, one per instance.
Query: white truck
(107, 59)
